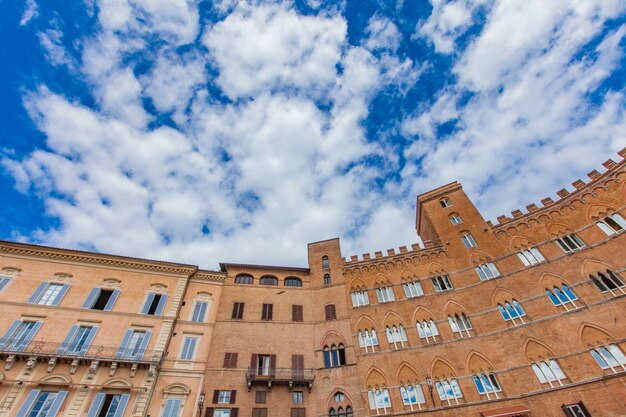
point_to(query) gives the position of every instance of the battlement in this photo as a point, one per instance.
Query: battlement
(402, 250)
(595, 177)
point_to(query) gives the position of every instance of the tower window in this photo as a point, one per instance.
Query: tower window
(455, 219)
(468, 241)
(326, 279)
(612, 224)
(268, 280)
(570, 243)
(445, 202)
(325, 262)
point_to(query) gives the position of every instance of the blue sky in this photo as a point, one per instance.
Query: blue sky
(239, 131)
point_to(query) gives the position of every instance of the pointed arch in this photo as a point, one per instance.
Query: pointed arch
(381, 280)
(330, 399)
(500, 295)
(535, 350)
(357, 284)
(549, 280)
(408, 274)
(558, 229)
(521, 242)
(598, 210)
(421, 313)
(392, 318)
(592, 266)
(477, 362)
(480, 257)
(406, 374)
(365, 322)
(441, 368)
(332, 337)
(454, 307)
(435, 269)
(592, 335)
(375, 378)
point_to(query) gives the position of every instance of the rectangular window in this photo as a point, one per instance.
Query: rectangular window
(296, 313)
(267, 312)
(78, 340)
(575, 410)
(530, 256)
(612, 224)
(3, 282)
(330, 312)
(385, 294)
(297, 397)
(468, 241)
(570, 243)
(360, 298)
(260, 397)
(223, 397)
(442, 283)
(154, 304)
(172, 407)
(223, 412)
(188, 350)
(49, 294)
(134, 344)
(230, 359)
(263, 365)
(413, 289)
(609, 357)
(298, 412)
(487, 271)
(238, 311)
(101, 299)
(199, 311)
(259, 412)
(19, 335)
(42, 404)
(548, 372)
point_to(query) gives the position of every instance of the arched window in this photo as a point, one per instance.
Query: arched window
(445, 202)
(512, 311)
(341, 408)
(608, 281)
(396, 336)
(293, 282)
(332, 413)
(460, 324)
(326, 279)
(327, 360)
(412, 395)
(339, 397)
(428, 330)
(244, 279)
(325, 262)
(562, 296)
(448, 390)
(379, 400)
(455, 219)
(334, 356)
(341, 412)
(268, 280)
(468, 240)
(368, 339)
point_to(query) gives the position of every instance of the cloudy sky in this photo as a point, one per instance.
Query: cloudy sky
(239, 131)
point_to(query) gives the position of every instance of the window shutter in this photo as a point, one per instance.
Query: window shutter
(271, 311)
(121, 352)
(94, 410)
(254, 361)
(226, 360)
(326, 312)
(38, 293)
(233, 359)
(234, 412)
(209, 412)
(272, 366)
(92, 335)
(7, 336)
(146, 305)
(121, 406)
(216, 396)
(61, 294)
(161, 305)
(332, 312)
(582, 407)
(68, 339)
(112, 300)
(30, 335)
(91, 298)
(144, 345)
(56, 404)
(233, 396)
(28, 403)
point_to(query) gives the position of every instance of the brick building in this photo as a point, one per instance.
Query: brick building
(519, 318)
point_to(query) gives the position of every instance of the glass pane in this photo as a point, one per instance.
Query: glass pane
(617, 353)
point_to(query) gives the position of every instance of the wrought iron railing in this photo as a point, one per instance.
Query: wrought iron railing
(282, 374)
(93, 352)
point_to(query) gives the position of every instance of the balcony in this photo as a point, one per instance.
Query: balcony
(38, 351)
(285, 376)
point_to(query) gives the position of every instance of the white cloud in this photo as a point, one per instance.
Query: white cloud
(382, 34)
(30, 12)
(51, 41)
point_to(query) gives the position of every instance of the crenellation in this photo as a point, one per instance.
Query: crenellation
(532, 207)
(403, 249)
(517, 213)
(366, 257)
(502, 218)
(391, 252)
(548, 201)
(378, 254)
(354, 258)
(579, 184)
(594, 175)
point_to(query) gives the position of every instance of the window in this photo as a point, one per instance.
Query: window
(379, 400)
(260, 397)
(487, 271)
(101, 299)
(330, 312)
(223, 397)
(244, 279)
(172, 407)
(223, 412)
(468, 241)
(612, 224)
(448, 390)
(340, 412)
(293, 282)
(265, 364)
(442, 283)
(230, 359)
(575, 410)
(199, 311)
(325, 262)
(445, 202)
(428, 330)
(334, 356)
(608, 281)
(298, 412)
(548, 371)
(368, 339)
(296, 313)
(114, 405)
(487, 384)
(326, 279)
(455, 219)
(49, 294)
(360, 298)
(188, 348)
(259, 412)
(339, 397)
(78, 340)
(5, 280)
(460, 324)
(570, 243)
(154, 304)
(42, 404)
(530, 256)
(562, 296)
(267, 311)
(512, 312)
(609, 357)
(19, 335)
(134, 344)
(396, 336)
(412, 395)
(268, 280)
(385, 294)
(238, 311)
(413, 289)
(297, 397)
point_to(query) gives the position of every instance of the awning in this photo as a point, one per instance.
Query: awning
(510, 411)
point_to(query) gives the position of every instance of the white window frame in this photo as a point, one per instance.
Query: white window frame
(570, 243)
(379, 400)
(385, 294)
(512, 311)
(413, 289)
(567, 297)
(487, 384)
(468, 240)
(548, 371)
(188, 348)
(530, 256)
(613, 278)
(396, 335)
(445, 202)
(368, 339)
(199, 311)
(221, 412)
(455, 219)
(172, 407)
(609, 357)
(224, 396)
(449, 389)
(442, 279)
(487, 271)
(427, 330)
(412, 395)
(460, 324)
(360, 298)
(576, 410)
(612, 224)
(4, 281)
